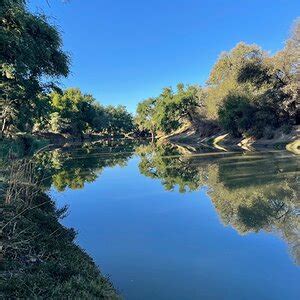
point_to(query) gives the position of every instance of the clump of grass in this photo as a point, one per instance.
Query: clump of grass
(39, 256)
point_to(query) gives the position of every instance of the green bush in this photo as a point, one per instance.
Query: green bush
(237, 115)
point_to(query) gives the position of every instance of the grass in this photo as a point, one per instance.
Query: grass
(40, 258)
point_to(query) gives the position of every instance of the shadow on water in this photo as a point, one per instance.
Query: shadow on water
(250, 192)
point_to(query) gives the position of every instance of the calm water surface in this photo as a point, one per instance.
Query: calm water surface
(166, 222)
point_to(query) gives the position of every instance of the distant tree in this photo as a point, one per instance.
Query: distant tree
(169, 111)
(179, 108)
(99, 118)
(119, 120)
(145, 116)
(58, 124)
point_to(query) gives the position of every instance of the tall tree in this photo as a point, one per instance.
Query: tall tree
(278, 78)
(145, 116)
(30, 52)
(223, 78)
(74, 109)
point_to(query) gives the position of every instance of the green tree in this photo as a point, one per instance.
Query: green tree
(237, 114)
(31, 51)
(74, 109)
(176, 109)
(223, 78)
(169, 111)
(145, 116)
(278, 80)
(119, 120)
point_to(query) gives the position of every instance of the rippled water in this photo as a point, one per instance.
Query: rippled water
(169, 222)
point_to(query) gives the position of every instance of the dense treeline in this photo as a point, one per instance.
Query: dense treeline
(32, 62)
(72, 112)
(248, 93)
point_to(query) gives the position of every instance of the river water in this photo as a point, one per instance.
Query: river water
(173, 222)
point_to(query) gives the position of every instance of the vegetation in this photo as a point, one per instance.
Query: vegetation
(170, 110)
(41, 263)
(248, 93)
(31, 62)
(30, 52)
(73, 113)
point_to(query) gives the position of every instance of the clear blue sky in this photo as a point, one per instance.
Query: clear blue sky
(124, 51)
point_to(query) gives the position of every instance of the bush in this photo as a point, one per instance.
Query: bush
(237, 115)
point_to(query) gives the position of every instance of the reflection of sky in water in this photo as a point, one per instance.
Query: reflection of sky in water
(157, 244)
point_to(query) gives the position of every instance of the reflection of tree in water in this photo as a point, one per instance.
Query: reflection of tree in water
(39, 258)
(251, 192)
(259, 193)
(72, 167)
(165, 162)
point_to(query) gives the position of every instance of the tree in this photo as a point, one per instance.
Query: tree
(223, 78)
(237, 115)
(169, 111)
(31, 51)
(145, 116)
(278, 79)
(119, 120)
(176, 109)
(77, 113)
(75, 109)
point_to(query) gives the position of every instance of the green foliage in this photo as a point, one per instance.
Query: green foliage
(31, 51)
(57, 123)
(42, 263)
(32, 60)
(269, 83)
(145, 113)
(223, 78)
(248, 92)
(118, 120)
(74, 109)
(77, 113)
(237, 115)
(277, 81)
(169, 111)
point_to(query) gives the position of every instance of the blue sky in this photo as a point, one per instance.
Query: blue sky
(124, 51)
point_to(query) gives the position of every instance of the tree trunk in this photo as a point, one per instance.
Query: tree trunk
(152, 136)
(3, 127)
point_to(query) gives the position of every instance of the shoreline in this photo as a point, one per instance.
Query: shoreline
(223, 141)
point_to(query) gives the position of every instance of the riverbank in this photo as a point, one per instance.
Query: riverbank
(223, 141)
(39, 257)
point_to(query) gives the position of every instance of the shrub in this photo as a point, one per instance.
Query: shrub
(237, 115)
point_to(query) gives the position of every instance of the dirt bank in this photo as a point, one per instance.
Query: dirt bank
(223, 141)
